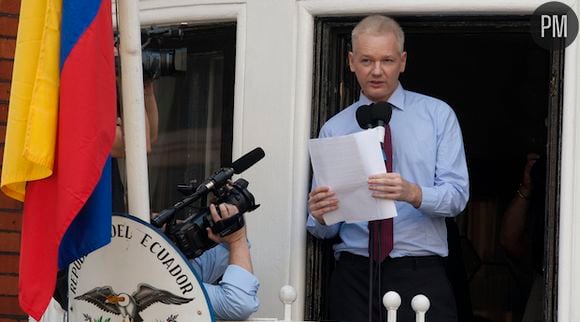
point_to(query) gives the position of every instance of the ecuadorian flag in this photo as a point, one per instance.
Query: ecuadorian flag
(60, 131)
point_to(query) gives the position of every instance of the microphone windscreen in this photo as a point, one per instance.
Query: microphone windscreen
(364, 117)
(382, 111)
(247, 160)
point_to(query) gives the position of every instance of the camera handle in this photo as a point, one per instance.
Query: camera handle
(168, 213)
(229, 225)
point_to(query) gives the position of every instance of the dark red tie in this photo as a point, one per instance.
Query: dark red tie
(381, 231)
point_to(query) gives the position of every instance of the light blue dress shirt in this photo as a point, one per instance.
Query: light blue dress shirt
(235, 296)
(428, 151)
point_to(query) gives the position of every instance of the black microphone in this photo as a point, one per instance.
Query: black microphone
(376, 114)
(247, 160)
(364, 116)
(221, 176)
(381, 113)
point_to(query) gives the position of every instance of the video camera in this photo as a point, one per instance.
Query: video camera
(190, 234)
(161, 62)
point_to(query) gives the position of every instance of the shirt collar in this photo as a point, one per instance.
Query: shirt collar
(397, 98)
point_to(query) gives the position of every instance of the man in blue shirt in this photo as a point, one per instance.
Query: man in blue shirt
(235, 296)
(429, 182)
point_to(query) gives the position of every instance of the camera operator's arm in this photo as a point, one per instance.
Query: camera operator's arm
(151, 123)
(152, 112)
(118, 150)
(236, 241)
(235, 297)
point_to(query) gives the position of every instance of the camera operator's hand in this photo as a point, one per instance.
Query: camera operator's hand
(225, 211)
(236, 241)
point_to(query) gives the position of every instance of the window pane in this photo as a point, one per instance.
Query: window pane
(195, 114)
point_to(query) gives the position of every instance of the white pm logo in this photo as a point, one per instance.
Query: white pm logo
(557, 23)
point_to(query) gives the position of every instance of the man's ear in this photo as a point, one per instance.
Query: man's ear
(403, 61)
(351, 61)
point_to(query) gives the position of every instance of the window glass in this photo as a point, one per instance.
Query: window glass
(195, 110)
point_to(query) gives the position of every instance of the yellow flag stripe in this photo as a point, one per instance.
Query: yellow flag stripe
(33, 110)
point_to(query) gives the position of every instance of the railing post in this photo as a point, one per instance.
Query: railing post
(287, 296)
(392, 301)
(420, 304)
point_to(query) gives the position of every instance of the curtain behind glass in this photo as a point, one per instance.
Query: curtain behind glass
(190, 127)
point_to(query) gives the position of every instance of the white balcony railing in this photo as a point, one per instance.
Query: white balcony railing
(391, 300)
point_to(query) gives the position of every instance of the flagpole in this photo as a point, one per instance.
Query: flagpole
(133, 109)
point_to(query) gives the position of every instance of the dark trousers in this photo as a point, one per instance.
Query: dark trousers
(408, 276)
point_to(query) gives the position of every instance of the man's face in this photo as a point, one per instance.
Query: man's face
(377, 63)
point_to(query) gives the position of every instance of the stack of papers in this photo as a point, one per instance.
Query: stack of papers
(344, 163)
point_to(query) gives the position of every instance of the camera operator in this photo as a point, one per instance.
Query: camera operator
(226, 271)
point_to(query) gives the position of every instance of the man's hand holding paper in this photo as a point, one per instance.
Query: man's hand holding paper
(342, 166)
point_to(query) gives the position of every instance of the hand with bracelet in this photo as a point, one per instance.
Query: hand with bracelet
(513, 234)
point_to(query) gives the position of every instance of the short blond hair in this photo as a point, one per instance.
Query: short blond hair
(379, 25)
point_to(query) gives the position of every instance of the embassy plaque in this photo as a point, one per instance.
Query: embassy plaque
(139, 276)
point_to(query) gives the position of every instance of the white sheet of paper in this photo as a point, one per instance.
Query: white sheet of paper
(344, 163)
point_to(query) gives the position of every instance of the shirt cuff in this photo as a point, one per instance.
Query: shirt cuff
(319, 230)
(236, 275)
(429, 200)
(312, 222)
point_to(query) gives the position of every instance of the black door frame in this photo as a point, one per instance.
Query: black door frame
(332, 91)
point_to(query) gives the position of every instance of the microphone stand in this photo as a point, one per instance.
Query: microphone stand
(377, 265)
(369, 117)
(371, 269)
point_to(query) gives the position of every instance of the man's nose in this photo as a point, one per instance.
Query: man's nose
(377, 68)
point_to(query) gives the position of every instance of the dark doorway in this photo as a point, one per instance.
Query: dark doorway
(506, 92)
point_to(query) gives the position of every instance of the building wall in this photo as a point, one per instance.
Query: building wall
(10, 210)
